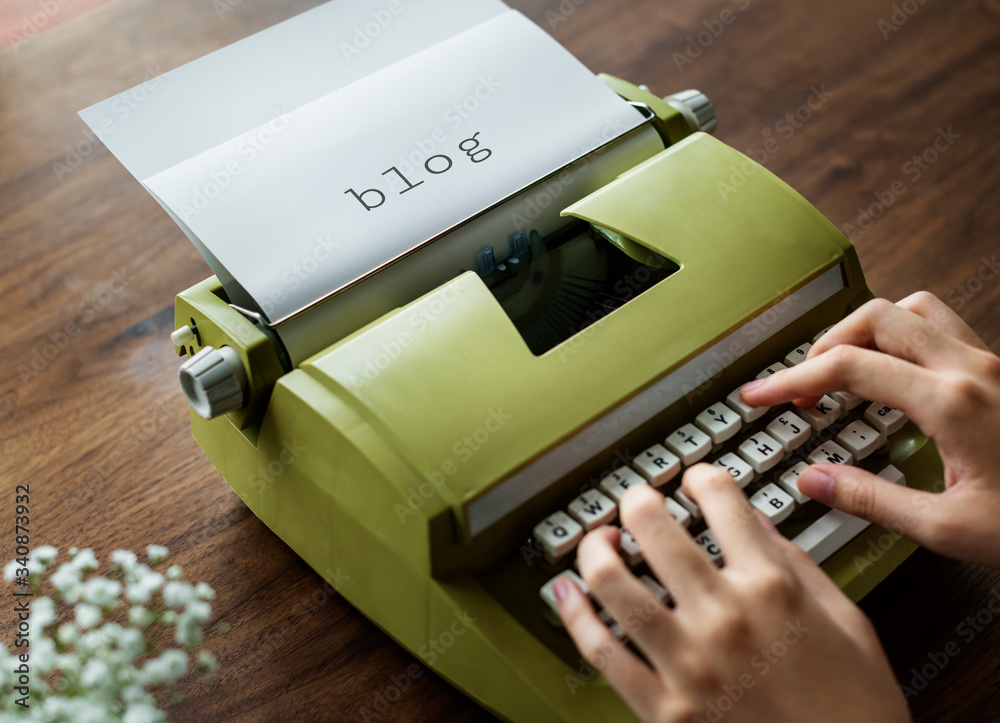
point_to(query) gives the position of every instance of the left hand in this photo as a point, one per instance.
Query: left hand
(767, 638)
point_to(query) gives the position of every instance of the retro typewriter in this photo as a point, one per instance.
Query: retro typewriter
(455, 438)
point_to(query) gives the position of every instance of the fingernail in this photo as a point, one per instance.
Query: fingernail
(818, 485)
(561, 589)
(750, 386)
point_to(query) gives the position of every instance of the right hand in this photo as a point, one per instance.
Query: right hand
(920, 357)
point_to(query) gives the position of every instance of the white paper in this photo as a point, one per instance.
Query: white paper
(343, 177)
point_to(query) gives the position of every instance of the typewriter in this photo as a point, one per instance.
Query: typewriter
(454, 440)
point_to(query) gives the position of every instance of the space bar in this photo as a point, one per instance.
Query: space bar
(829, 533)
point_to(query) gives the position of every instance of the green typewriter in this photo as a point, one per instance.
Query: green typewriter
(434, 430)
(459, 443)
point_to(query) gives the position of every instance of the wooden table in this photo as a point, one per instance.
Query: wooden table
(92, 417)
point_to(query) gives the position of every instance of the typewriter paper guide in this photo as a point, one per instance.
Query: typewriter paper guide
(323, 194)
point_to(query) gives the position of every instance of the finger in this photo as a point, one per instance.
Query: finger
(869, 374)
(856, 491)
(633, 606)
(667, 547)
(819, 587)
(931, 308)
(882, 325)
(729, 515)
(631, 678)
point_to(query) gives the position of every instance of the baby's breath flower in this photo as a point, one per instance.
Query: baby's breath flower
(156, 554)
(94, 674)
(45, 555)
(123, 559)
(68, 634)
(102, 592)
(10, 570)
(140, 616)
(86, 669)
(87, 615)
(85, 560)
(176, 594)
(142, 713)
(206, 662)
(43, 613)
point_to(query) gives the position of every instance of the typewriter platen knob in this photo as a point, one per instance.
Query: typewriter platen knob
(214, 381)
(696, 108)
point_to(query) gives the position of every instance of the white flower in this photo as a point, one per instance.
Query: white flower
(156, 554)
(188, 631)
(43, 655)
(167, 668)
(204, 591)
(10, 570)
(174, 572)
(123, 559)
(140, 616)
(206, 662)
(142, 713)
(44, 555)
(67, 581)
(85, 560)
(176, 594)
(68, 634)
(94, 674)
(43, 613)
(143, 588)
(199, 610)
(87, 615)
(102, 592)
(131, 642)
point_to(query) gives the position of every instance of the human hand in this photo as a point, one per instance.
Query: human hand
(767, 638)
(919, 356)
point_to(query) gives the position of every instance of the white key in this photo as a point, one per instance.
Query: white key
(677, 512)
(773, 502)
(859, 439)
(738, 467)
(816, 338)
(789, 482)
(776, 367)
(720, 422)
(659, 592)
(892, 474)
(790, 430)
(688, 504)
(615, 484)
(629, 549)
(798, 354)
(747, 413)
(592, 509)
(762, 451)
(549, 595)
(829, 533)
(822, 414)
(658, 465)
(888, 420)
(689, 443)
(558, 534)
(830, 452)
(846, 399)
(706, 541)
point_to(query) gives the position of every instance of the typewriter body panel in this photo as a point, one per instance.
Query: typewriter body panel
(408, 462)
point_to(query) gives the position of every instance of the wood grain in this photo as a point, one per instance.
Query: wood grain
(100, 429)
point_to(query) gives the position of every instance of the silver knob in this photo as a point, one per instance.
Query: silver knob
(214, 381)
(696, 109)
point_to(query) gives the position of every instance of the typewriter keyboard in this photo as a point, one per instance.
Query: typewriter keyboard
(763, 448)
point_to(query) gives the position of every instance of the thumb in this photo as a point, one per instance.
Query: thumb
(863, 494)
